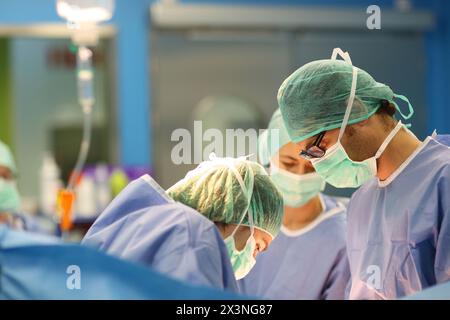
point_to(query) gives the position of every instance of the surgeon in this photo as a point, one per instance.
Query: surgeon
(10, 211)
(9, 195)
(206, 230)
(308, 259)
(345, 123)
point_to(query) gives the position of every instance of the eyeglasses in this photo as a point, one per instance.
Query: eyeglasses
(314, 151)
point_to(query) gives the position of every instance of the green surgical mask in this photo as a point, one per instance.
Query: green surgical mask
(296, 189)
(335, 166)
(241, 261)
(9, 196)
(342, 172)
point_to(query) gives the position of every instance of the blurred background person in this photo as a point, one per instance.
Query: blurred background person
(11, 212)
(9, 195)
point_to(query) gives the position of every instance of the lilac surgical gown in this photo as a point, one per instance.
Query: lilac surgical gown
(399, 229)
(307, 264)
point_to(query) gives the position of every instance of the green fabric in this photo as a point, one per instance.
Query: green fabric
(314, 98)
(213, 189)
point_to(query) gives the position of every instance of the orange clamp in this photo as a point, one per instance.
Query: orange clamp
(66, 201)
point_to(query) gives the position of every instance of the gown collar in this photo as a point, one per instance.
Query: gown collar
(324, 215)
(402, 167)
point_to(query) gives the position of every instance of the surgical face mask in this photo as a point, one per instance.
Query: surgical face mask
(296, 189)
(335, 166)
(342, 172)
(9, 196)
(241, 261)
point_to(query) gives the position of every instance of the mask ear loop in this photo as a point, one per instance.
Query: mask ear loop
(388, 139)
(346, 57)
(351, 99)
(248, 210)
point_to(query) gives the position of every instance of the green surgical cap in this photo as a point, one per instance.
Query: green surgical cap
(214, 190)
(314, 98)
(6, 158)
(272, 139)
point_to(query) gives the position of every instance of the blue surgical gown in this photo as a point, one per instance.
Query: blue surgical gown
(307, 264)
(438, 292)
(39, 267)
(33, 224)
(399, 229)
(144, 225)
(444, 139)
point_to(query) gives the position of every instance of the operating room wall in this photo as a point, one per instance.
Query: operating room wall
(208, 64)
(438, 69)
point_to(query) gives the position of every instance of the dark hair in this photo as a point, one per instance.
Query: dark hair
(386, 108)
